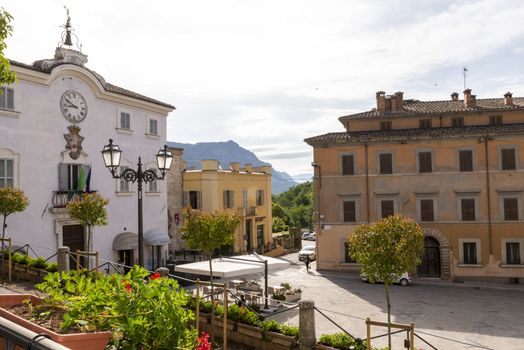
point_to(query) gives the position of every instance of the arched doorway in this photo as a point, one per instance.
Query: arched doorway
(430, 265)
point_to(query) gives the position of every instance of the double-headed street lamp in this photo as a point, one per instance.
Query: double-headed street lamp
(111, 154)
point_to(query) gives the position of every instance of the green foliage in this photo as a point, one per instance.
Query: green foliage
(295, 206)
(208, 231)
(140, 314)
(279, 224)
(289, 329)
(279, 296)
(12, 200)
(271, 326)
(387, 248)
(341, 341)
(242, 315)
(22, 259)
(51, 267)
(6, 75)
(37, 263)
(89, 209)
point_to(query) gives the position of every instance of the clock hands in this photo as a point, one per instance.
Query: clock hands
(70, 103)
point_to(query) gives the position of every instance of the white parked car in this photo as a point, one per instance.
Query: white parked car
(311, 236)
(403, 280)
(307, 251)
(305, 235)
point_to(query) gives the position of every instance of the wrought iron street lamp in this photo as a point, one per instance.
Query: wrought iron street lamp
(111, 154)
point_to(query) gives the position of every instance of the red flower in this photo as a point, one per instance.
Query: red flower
(155, 276)
(128, 287)
(203, 342)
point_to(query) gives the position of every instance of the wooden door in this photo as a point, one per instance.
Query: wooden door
(430, 265)
(73, 236)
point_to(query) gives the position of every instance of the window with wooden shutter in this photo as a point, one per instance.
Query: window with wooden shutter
(470, 253)
(348, 167)
(424, 162)
(228, 199)
(350, 214)
(513, 253)
(125, 120)
(508, 159)
(468, 209)
(260, 197)
(495, 120)
(426, 210)
(424, 123)
(387, 208)
(457, 122)
(466, 160)
(386, 125)
(386, 163)
(511, 209)
(7, 98)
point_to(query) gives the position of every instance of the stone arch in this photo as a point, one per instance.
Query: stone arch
(445, 254)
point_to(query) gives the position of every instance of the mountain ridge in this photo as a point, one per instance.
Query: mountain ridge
(227, 152)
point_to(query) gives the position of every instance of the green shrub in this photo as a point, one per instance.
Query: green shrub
(289, 329)
(286, 285)
(341, 341)
(271, 326)
(51, 267)
(279, 296)
(22, 259)
(38, 263)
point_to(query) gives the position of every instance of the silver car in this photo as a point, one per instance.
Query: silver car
(307, 251)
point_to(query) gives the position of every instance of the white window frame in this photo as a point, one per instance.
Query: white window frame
(503, 260)
(6, 153)
(478, 247)
(3, 96)
(419, 207)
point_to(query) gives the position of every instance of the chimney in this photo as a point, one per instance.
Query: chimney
(235, 166)
(266, 169)
(381, 101)
(508, 98)
(454, 96)
(400, 100)
(467, 98)
(473, 102)
(209, 164)
(248, 167)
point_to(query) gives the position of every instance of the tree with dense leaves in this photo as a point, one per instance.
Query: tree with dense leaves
(12, 200)
(6, 75)
(89, 209)
(295, 206)
(385, 250)
(208, 232)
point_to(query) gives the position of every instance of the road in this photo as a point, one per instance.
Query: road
(448, 315)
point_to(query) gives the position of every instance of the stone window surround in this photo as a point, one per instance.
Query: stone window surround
(119, 127)
(354, 163)
(425, 196)
(510, 194)
(517, 155)
(477, 241)
(425, 150)
(6, 153)
(503, 241)
(124, 164)
(473, 156)
(148, 127)
(355, 197)
(386, 197)
(392, 162)
(468, 195)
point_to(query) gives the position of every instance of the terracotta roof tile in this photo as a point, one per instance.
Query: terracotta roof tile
(340, 138)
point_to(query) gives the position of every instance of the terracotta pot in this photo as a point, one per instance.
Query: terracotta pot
(75, 341)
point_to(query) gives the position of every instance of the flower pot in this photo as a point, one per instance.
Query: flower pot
(75, 341)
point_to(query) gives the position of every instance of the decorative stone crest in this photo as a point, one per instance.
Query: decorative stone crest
(74, 141)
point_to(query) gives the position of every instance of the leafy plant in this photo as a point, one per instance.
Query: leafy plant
(289, 329)
(7, 76)
(271, 326)
(286, 285)
(141, 313)
(22, 259)
(341, 341)
(279, 296)
(38, 263)
(12, 200)
(51, 267)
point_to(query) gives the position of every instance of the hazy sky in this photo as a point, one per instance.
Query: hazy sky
(268, 74)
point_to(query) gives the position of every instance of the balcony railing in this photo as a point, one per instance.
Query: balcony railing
(61, 198)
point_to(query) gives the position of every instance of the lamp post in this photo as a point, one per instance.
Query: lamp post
(111, 154)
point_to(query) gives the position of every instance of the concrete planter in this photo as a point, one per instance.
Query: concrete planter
(76, 341)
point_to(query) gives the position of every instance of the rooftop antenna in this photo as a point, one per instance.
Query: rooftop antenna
(68, 33)
(464, 71)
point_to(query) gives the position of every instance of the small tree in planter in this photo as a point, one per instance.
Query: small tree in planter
(207, 232)
(385, 250)
(12, 200)
(90, 210)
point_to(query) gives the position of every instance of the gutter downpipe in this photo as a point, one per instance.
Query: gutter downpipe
(490, 224)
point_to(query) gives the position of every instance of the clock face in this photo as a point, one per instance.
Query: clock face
(73, 106)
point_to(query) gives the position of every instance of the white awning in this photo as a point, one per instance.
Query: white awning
(156, 236)
(228, 268)
(125, 241)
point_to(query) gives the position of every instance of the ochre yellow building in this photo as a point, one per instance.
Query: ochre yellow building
(454, 166)
(245, 191)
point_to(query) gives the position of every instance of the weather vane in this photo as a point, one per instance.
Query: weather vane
(68, 32)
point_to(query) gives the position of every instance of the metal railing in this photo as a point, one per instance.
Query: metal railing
(15, 336)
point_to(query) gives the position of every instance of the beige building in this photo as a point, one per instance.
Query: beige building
(245, 191)
(174, 199)
(454, 166)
